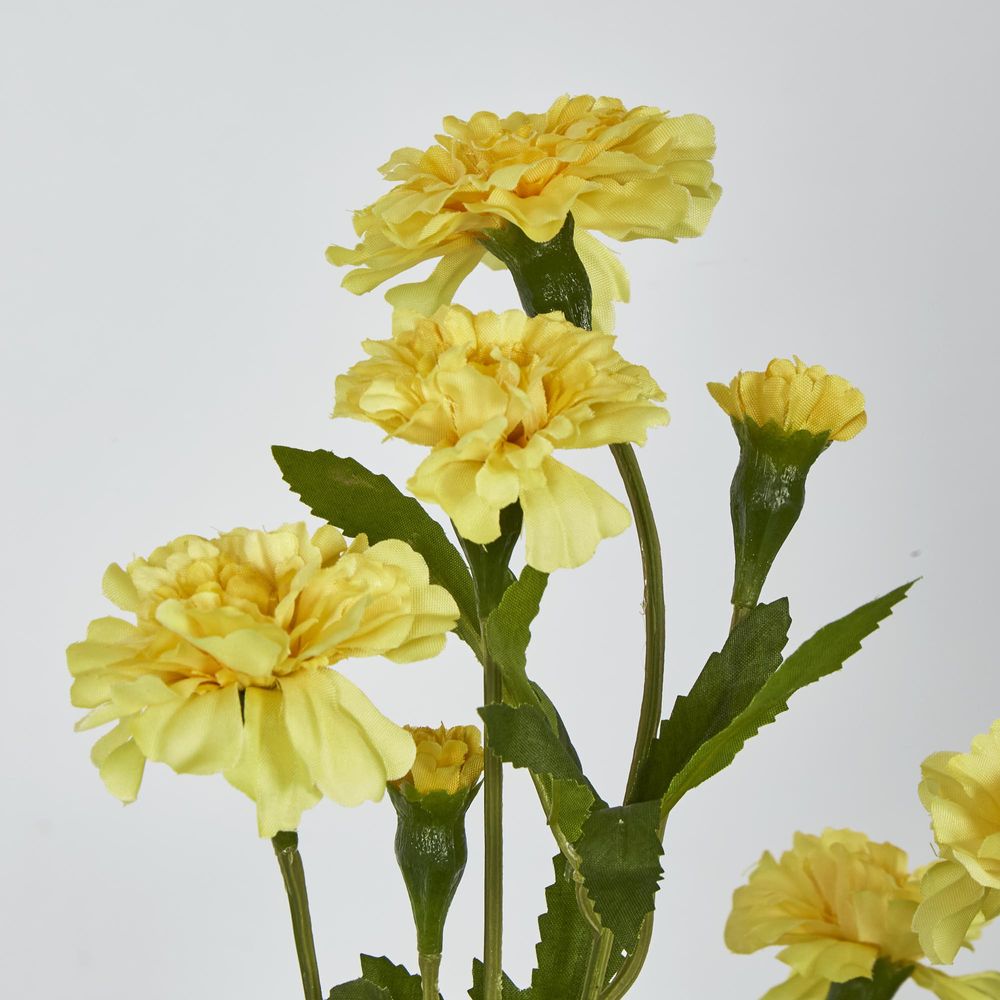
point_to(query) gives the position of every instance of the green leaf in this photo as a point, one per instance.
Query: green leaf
(563, 950)
(524, 737)
(620, 861)
(510, 991)
(823, 654)
(508, 631)
(401, 984)
(346, 494)
(359, 989)
(724, 688)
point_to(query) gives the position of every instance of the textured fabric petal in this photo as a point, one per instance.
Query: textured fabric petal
(798, 987)
(978, 986)
(344, 760)
(437, 290)
(228, 635)
(120, 762)
(566, 519)
(270, 770)
(835, 961)
(197, 735)
(119, 588)
(951, 902)
(608, 279)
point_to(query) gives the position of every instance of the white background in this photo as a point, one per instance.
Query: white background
(169, 178)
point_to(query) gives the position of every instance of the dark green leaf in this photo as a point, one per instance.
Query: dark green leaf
(620, 861)
(724, 688)
(359, 989)
(524, 737)
(508, 631)
(401, 984)
(510, 991)
(346, 494)
(563, 950)
(823, 654)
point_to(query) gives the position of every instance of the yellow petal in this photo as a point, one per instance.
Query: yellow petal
(270, 770)
(120, 763)
(201, 734)
(951, 902)
(350, 754)
(978, 986)
(119, 588)
(566, 519)
(608, 279)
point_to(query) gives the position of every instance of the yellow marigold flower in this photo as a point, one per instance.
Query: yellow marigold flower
(448, 760)
(794, 396)
(627, 173)
(961, 791)
(227, 667)
(838, 903)
(493, 395)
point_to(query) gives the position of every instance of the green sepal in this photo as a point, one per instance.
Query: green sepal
(490, 562)
(346, 494)
(885, 981)
(766, 498)
(431, 850)
(550, 277)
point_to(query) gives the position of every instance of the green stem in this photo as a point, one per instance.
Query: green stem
(493, 858)
(597, 967)
(286, 849)
(653, 606)
(429, 967)
(632, 966)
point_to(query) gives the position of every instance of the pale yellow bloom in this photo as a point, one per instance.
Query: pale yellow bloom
(493, 395)
(627, 173)
(838, 903)
(227, 667)
(448, 760)
(961, 791)
(794, 396)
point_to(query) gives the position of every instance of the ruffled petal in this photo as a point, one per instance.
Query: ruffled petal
(978, 986)
(566, 519)
(270, 770)
(951, 902)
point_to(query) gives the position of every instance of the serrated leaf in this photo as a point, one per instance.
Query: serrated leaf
(346, 494)
(401, 984)
(524, 737)
(508, 631)
(724, 688)
(620, 861)
(510, 991)
(818, 656)
(563, 950)
(359, 989)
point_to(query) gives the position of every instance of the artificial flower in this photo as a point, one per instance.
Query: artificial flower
(961, 791)
(493, 395)
(839, 903)
(791, 396)
(227, 667)
(448, 760)
(784, 418)
(626, 173)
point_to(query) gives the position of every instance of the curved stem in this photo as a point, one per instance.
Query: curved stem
(653, 608)
(597, 967)
(629, 972)
(286, 849)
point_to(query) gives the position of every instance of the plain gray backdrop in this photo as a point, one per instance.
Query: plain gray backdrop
(169, 178)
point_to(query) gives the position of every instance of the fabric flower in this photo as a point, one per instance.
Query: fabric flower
(448, 760)
(784, 418)
(227, 666)
(627, 173)
(839, 903)
(792, 396)
(961, 791)
(493, 395)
